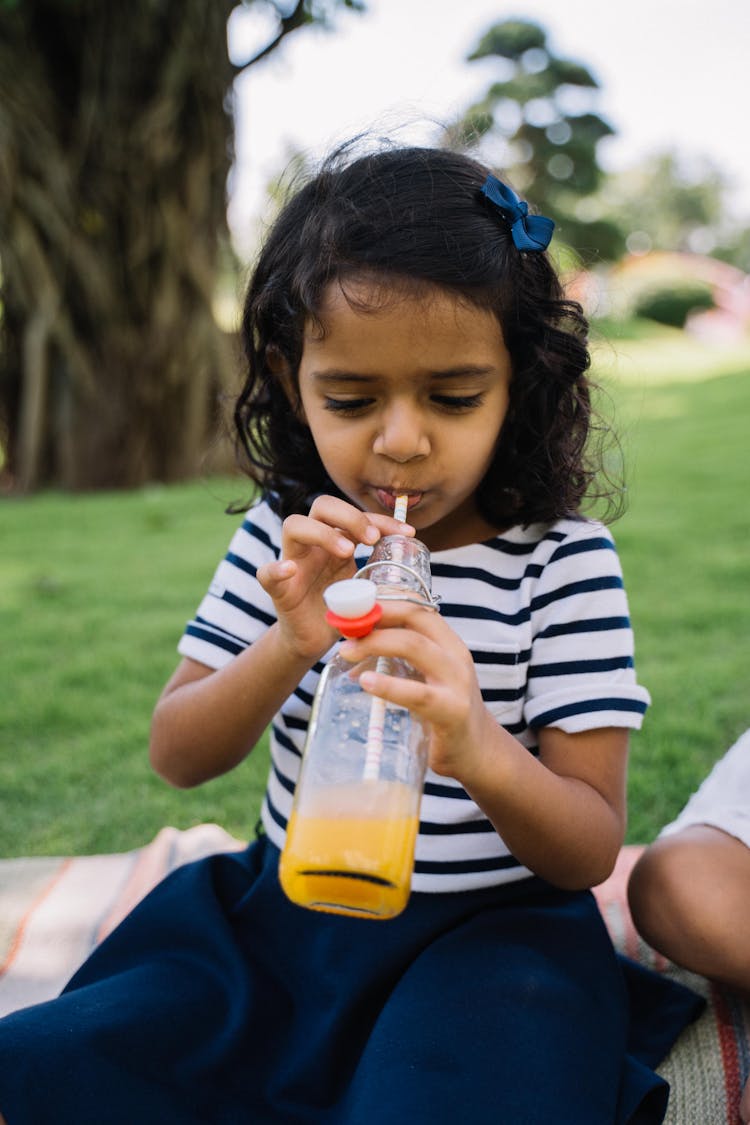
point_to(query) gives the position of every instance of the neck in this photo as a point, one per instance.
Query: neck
(444, 536)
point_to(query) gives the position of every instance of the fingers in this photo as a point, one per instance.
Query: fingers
(356, 523)
(414, 695)
(419, 619)
(444, 698)
(387, 525)
(421, 638)
(336, 526)
(301, 534)
(273, 576)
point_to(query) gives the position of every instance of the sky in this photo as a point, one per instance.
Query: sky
(670, 71)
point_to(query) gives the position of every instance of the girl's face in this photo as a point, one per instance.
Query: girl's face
(407, 394)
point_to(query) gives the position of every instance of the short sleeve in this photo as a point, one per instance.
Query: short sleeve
(235, 610)
(581, 671)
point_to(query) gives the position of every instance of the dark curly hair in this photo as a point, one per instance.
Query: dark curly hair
(416, 216)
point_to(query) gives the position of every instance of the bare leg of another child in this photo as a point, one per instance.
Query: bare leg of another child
(689, 897)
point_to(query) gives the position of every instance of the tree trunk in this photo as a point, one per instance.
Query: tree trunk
(115, 146)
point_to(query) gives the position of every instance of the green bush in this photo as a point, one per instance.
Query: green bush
(672, 305)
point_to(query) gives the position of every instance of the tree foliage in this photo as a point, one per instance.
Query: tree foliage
(667, 202)
(537, 123)
(116, 137)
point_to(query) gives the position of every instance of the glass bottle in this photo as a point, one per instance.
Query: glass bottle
(351, 836)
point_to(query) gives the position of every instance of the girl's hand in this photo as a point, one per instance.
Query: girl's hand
(449, 702)
(316, 550)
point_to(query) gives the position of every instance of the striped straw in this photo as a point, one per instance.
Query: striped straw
(399, 512)
(376, 724)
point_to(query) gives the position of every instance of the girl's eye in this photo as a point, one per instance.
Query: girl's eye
(458, 402)
(455, 404)
(347, 405)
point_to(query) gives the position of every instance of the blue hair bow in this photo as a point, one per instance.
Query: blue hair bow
(529, 232)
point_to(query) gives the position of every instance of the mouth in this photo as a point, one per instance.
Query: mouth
(386, 497)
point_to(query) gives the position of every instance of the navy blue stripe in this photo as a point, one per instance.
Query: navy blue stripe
(305, 697)
(302, 694)
(483, 657)
(293, 722)
(585, 586)
(241, 563)
(480, 613)
(284, 740)
(434, 789)
(502, 695)
(589, 707)
(446, 570)
(576, 667)
(465, 866)
(467, 828)
(214, 628)
(262, 536)
(284, 782)
(275, 814)
(508, 547)
(248, 608)
(587, 625)
(218, 640)
(515, 728)
(581, 547)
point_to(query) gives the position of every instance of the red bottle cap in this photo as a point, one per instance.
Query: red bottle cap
(355, 626)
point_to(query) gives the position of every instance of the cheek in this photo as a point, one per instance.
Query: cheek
(483, 442)
(487, 431)
(336, 450)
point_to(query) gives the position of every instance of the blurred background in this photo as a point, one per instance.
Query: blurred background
(143, 150)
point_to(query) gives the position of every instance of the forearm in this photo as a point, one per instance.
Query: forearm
(558, 825)
(206, 721)
(561, 815)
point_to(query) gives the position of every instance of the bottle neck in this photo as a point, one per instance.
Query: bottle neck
(400, 568)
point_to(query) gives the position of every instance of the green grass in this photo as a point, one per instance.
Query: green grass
(95, 591)
(682, 411)
(94, 594)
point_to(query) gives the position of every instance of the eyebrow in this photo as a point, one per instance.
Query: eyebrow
(343, 376)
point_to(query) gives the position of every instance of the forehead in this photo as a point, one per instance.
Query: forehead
(370, 313)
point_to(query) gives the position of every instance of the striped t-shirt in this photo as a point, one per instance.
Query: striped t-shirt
(544, 613)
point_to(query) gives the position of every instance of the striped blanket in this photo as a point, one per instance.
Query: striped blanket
(53, 911)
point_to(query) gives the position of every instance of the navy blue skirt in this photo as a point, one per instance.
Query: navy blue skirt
(218, 1002)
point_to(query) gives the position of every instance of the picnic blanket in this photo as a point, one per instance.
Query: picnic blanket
(53, 911)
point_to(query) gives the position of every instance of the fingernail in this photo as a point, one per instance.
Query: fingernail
(345, 545)
(371, 534)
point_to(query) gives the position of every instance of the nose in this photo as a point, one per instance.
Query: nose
(402, 435)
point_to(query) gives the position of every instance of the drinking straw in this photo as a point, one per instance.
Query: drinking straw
(399, 512)
(376, 724)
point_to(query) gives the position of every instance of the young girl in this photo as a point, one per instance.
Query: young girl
(405, 333)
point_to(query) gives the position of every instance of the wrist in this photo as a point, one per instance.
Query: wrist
(486, 766)
(297, 652)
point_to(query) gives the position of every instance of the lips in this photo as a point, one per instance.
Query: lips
(387, 497)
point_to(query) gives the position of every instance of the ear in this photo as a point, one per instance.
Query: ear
(280, 368)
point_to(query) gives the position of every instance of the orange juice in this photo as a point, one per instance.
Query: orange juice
(350, 849)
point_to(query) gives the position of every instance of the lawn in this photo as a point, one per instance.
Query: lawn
(95, 591)
(94, 594)
(682, 410)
